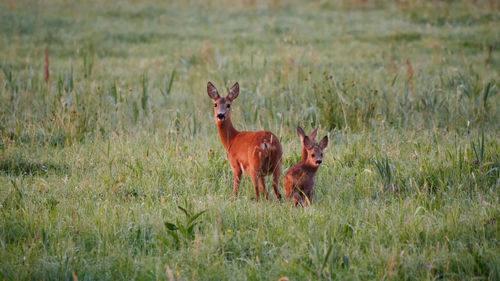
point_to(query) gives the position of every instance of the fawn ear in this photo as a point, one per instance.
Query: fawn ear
(212, 91)
(301, 133)
(307, 142)
(313, 134)
(233, 93)
(323, 143)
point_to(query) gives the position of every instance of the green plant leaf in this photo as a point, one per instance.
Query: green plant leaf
(193, 218)
(171, 226)
(326, 256)
(184, 210)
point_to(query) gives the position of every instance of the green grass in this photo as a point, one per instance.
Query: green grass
(104, 168)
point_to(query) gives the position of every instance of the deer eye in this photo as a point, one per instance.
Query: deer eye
(228, 106)
(313, 155)
(321, 154)
(215, 105)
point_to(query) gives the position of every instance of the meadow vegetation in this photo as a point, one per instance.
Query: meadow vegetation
(111, 166)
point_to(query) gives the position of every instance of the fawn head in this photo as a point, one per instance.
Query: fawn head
(222, 105)
(314, 149)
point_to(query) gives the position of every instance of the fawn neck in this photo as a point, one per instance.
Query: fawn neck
(308, 168)
(226, 132)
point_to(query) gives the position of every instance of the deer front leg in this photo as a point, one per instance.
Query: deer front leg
(306, 201)
(310, 195)
(236, 179)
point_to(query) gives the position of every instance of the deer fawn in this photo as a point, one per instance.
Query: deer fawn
(257, 154)
(299, 180)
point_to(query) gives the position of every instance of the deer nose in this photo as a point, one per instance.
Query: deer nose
(319, 161)
(220, 116)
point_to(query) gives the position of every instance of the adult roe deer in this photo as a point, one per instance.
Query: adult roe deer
(299, 180)
(257, 154)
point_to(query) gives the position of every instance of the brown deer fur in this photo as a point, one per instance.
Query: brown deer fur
(257, 154)
(299, 180)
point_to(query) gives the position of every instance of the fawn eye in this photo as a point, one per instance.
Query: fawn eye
(215, 105)
(321, 154)
(228, 106)
(313, 155)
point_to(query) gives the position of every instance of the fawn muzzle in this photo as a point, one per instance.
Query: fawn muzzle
(221, 116)
(319, 161)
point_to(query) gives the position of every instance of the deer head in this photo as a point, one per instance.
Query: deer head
(314, 150)
(222, 105)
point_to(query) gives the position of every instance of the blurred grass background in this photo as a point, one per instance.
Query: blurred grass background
(106, 128)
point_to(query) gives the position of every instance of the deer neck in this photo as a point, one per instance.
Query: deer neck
(309, 169)
(226, 132)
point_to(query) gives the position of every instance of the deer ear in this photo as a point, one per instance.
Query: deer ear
(323, 143)
(307, 142)
(301, 133)
(212, 91)
(313, 134)
(235, 90)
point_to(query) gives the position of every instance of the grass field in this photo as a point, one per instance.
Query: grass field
(111, 167)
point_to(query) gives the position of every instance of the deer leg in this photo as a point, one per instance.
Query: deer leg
(310, 196)
(255, 182)
(276, 179)
(287, 184)
(236, 180)
(306, 201)
(262, 184)
(297, 199)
